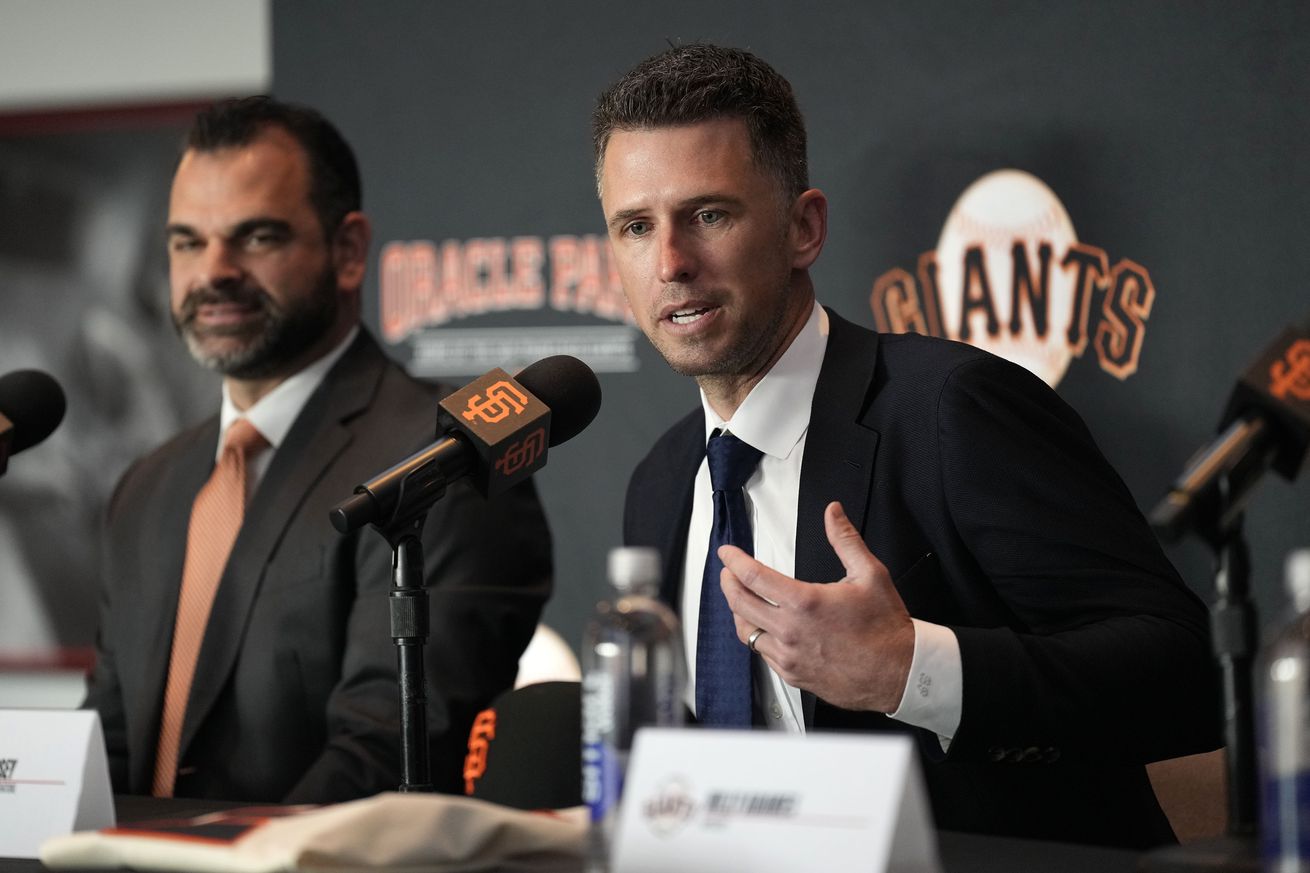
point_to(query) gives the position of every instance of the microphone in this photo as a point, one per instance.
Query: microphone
(1266, 424)
(496, 432)
(31, 406)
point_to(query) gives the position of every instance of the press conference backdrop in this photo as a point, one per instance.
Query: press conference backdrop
(1152, 238)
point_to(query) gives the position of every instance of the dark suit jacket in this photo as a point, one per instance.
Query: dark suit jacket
(295, 696)
(1084, 655)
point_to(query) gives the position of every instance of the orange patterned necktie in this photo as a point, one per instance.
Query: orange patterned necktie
(215, 519)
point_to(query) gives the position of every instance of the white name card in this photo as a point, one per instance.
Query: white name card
(54, 778)
(705, 801)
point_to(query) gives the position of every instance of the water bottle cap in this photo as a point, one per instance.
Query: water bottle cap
(1298, 578)
(633, 568)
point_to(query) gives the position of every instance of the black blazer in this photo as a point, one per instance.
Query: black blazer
(1083, 653)
(294, 696)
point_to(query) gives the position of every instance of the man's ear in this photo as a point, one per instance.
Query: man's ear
(350, 250)
(808, 227)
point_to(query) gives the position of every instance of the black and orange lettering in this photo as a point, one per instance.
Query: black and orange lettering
(1093, 266)
(1022, 288)
(1124, 312)
(976, 294)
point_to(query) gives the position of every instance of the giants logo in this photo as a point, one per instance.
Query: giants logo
(1009, 276)
(503, 399)
(480, 737)
(522, 454)
(670, 808)
(1290, 378)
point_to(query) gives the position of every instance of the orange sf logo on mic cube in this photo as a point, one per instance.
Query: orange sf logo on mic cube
(1290, 376)
(506, 424)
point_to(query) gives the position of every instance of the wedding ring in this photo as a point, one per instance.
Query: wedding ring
(750, 640)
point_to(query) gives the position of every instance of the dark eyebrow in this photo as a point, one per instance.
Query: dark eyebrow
(693, 203)
(242, 229)
(252, 225)
(623, 215)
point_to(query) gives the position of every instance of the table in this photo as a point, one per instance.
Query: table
(960, 853)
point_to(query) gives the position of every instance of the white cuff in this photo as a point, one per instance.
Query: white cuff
(934, 694)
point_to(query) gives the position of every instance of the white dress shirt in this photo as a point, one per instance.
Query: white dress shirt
(275, 412)
(774, 418)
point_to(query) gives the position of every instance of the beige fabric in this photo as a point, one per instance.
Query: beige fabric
(398, 833)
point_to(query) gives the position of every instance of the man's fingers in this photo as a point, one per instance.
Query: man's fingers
(762, 581)
(846, 541)
(748, 608)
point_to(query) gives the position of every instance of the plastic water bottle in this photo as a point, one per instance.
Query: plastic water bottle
(1285, 732)
(633, 675)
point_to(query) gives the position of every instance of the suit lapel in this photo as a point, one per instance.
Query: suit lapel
(310, 448)
(839, 448)
(839, 455)
(674, 491)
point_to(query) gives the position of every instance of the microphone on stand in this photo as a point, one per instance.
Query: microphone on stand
(496, 432)
(31, 406)
(1266, 424)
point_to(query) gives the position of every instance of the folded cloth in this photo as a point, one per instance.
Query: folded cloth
(399, 833)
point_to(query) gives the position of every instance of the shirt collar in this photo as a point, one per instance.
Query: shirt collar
(776, 414)
(275, 412)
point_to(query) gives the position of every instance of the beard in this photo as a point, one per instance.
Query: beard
(265, 346)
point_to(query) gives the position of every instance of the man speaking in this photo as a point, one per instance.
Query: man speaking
(992, 586)
(244, 649)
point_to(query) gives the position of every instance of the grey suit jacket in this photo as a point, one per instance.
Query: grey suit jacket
(294, 696)
(1083, 653)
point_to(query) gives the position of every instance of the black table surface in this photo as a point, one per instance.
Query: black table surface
(960, 853)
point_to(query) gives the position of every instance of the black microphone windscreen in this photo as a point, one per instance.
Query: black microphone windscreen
(569, 388)
(34, 403)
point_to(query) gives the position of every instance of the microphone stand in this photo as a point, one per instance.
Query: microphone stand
(409, 631)
(1233, 632)
(418, 487)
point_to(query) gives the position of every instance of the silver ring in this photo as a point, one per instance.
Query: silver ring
(750, 640)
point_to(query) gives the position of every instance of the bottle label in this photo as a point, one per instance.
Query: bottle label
(1285, 826)
(602, 773)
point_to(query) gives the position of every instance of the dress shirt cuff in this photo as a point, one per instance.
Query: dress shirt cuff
(934, 694)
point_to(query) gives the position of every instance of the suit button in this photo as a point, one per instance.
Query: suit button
(996, 754)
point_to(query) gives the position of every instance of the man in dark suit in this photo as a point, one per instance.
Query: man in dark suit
(994, 588)
(290, 689)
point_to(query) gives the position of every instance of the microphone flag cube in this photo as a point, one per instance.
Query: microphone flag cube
(1277, 386)
(507, 425)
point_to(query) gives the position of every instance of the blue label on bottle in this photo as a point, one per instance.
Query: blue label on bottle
(1285, 825)
(602, 767)
(602, 779)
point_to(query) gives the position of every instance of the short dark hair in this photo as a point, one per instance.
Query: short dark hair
(689, 84)
(334, 175)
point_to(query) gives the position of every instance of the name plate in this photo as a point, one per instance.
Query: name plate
(54, 777)
(714, 800)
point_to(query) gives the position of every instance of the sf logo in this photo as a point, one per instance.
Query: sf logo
(523, 453)
(475, 763)
(502, 400)
(1290, 377)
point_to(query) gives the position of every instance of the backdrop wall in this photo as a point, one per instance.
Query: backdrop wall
(1170, 132)
(1168, 136)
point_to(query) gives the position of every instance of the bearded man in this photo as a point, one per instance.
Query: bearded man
(244, 650)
